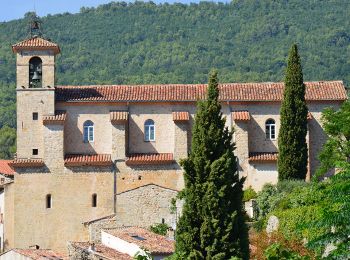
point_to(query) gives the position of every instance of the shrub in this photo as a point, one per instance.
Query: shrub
(160, 229)
(249, 194)
(278, 252)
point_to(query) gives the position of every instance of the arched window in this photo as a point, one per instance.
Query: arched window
(94, 200)
(270, 129)
(88, 131)
(35, 72)
(48, 201)
(149, 130)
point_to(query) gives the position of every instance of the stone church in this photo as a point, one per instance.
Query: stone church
(86, 152)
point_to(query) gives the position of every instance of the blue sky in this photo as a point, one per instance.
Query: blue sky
(15, 9)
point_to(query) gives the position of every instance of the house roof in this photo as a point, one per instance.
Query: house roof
(241, 115)
(154, 243)
(263, 157)
(5, 167)
(88, 160)
(181, 116)
(102, 250)
(58, 118)
(150, 158)
(266, 91)
(40, 254)
(36, 43)
(26, 163)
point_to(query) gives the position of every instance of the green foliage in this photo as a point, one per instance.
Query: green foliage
(336, 150)
(249, 194)
(277, 252)
(145, 255)
(292, 147)
(160, 229)
(212, 224)
(7, 142)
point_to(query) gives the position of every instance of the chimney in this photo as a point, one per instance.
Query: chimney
(34, 247)
(92, 247)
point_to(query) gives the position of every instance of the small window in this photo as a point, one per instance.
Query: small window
(35, 116)
(270, 129)
(35, 151)
(94, 200)
(149, 131)
(48, 201)
(88, 131)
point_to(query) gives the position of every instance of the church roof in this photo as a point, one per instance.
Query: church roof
(5, 167)
(36, 43)
(266, 91)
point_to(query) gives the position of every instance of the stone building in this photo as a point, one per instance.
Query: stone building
(85, 152)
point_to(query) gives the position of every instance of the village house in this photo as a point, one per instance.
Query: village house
(86, 152)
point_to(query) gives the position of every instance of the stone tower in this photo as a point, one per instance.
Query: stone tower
(35, 92)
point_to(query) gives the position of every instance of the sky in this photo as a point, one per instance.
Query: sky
(15, 9)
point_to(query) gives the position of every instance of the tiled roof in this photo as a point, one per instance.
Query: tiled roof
(102, 250)
(40, 254)
(19, 163)
(262, 157)
(5, 168)
(119, 116)
(181, 116)
(322, 90)
(240, 115)
(58, 118)
(150, 158)
(309, 116)
(155, 244)
(87, 160)
(36, 43)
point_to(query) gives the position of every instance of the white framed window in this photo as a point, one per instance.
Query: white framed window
(149, 130)
(88, 131)
(270, 129)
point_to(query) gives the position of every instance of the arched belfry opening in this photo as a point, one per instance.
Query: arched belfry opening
(35, 72)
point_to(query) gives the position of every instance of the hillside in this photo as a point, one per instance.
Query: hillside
(247, 40)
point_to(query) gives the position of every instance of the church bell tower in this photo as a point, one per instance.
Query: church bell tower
(35, 89)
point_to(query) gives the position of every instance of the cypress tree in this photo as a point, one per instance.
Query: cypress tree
(293, 155)
(211, 225)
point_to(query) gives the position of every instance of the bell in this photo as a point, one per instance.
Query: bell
(36, 76)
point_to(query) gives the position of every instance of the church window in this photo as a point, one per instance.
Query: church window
(48, 201)
(149, 130)
(88, 131)
(94, 200)
(35, 116)
(35, 72)
(270, 129)
(35, 151)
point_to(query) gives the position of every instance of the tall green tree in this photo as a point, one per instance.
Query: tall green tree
(336, 151)
(211, 225)
(293, 155)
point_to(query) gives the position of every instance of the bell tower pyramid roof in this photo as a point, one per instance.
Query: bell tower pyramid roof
(36, 43)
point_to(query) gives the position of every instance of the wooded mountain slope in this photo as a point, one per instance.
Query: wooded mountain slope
(246, 40)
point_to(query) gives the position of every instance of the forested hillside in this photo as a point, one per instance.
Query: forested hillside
(246, 40)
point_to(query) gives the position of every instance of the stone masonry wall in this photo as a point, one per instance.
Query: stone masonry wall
(145, 206)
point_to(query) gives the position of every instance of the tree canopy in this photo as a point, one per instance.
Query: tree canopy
(211, 225)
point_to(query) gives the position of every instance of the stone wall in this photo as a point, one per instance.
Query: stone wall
(145, 206)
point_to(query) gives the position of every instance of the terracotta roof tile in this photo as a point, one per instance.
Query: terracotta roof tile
(88, 160)
(5, 167)
(40, 254)
(309, 116)
(155, 244)
(102, 250)
(150, 158)
(19, 163)
(119, 116)
(242, 115)
(58, 118)
(181, 116)
(262, 157)
(36, 43)
(322, 90)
